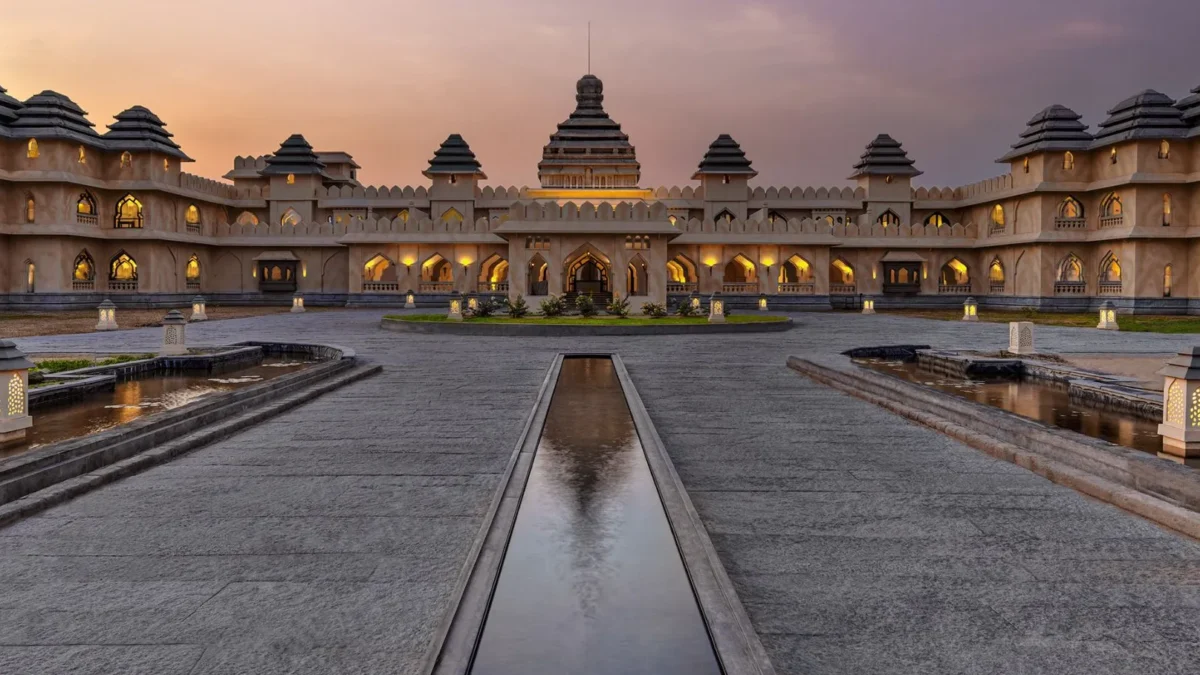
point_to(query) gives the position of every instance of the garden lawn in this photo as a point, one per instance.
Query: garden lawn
(1133, 323)
(593, 321)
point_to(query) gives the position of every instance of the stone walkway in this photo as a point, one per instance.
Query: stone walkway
(328, 540)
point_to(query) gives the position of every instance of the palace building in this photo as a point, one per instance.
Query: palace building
(1080, 216)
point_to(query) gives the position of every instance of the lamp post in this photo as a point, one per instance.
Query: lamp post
(1180, 428)
(108, 316)
(198, 306)
(297, 303)
(716, 308)
(455, 313)
(762, 301)
(14, 374)
(868, 305)
(174, 334)
(410, 300)
(1108, 317)
(970, 310)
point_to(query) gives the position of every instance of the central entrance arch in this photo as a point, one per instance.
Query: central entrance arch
(588, 271)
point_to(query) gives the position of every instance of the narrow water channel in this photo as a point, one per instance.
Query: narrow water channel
(592, 581)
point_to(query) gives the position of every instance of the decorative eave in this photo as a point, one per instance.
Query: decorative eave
(274, 256)
(1189, 107)
(1185, 365)
(8, 108)
(138, 129)
(454, 158)
(53, 115)
(724, 157)
(337, 157)
(1055, 129)
(12, 358)
(1148, 115)
(295, 157)
(885, 157)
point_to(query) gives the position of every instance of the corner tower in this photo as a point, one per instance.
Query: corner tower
(589, 150)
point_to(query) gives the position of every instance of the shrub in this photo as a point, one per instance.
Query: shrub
(654, 310)
(486, 308)
(553, 306)
(517, 308)
(685, 309)
(619, 307)
(585, 305)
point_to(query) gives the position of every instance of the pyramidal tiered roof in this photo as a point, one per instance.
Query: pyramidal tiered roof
(1056, 127)
(589, 138)
(140, 129)
(51, 114)
(884, 156)
(8, 109)
(725, 157)
(1189, 106)
(454, 157)
(295, 156)
(1148, 114)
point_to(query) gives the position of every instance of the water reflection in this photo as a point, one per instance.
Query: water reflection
(1046, 402)
(592, 581)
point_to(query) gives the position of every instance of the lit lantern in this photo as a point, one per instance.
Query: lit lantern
(1108, 317)
(174, 338)
(762, 302)
(198, 309)
(970, 310)
(1020, 337)
(868, 306)
(716, 308)
(1180, 428)
(695, 300)
(297, 303)
(410, 299)
(455, 313)
(472, 303)
(14, 373)
(108, 316)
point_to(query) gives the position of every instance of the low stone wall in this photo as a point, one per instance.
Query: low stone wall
(560, 330)
(40, 302)
(70, 388)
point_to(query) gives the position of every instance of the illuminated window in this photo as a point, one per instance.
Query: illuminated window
(122, 268)
(1167, 281)
(1068, 161)
(192, 215)
(887, 179)
(1164, 150)
(1025, 165)
(31, 150)
(840, 272)
(998, 215)
(82, 155)
(1112, 205)
(996, 272)
(290, 217)
(129, 212)
(403, 215)
(955, 273)
(795, 270)
(451, 215)
(193, 268)
(126, 160)
(888, 218)
(16, 396)
(1166, 209)
(829, 220)
(84, 269)
(1112, 155)
(30, 277)
(85, 206)
(247, 218)
(1070, 208)
(291, 179)
(1071, 269)
(937, 220)
(725, 179)
(166, 164)
(673, 220)
(30, 208)
(376, 267)
(1110, 269)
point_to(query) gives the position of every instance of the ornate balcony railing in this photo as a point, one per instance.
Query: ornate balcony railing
(1061, 223)
(115, 285)
(87, 218)
(740, 287)
(193, 228)
(803, 288)
(381, 286)
(996, 229)
(843, 289)
(674, 287)
(1111, 221)
(996, 287)
(1110, 288)
(492, 287)
(954, 288)
(1070, 288)
(435, 286)
(83, 285)
(193, 284)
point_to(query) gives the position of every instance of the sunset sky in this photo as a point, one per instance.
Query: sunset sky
(803, 86)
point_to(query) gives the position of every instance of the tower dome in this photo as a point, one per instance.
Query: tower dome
(589, 150)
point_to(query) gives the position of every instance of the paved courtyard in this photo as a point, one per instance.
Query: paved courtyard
(328, 540)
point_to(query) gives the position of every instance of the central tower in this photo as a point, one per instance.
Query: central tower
(589, 150)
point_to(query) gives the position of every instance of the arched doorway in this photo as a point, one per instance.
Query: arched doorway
(588, 274)
(537, 284)
(637, 278)
(493, 275)
(741, 276)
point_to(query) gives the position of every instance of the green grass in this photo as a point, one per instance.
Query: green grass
(594, 321)
(1133, 323)
(63, 365)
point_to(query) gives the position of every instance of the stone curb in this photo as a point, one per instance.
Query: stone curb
(73, 487)
(1145, 505)
(553, 330)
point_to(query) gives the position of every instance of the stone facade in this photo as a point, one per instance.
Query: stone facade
(1079, 218)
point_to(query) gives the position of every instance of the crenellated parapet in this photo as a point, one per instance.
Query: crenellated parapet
(935, 194)
(385, 226)
(848, 230)
(190, 181)
(810, 193)
(623, 211)
(676, 192)
(985, 187)
(250, 163)
(499, 192)
(374, 192)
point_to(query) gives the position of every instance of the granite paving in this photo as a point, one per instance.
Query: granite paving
(329, 539)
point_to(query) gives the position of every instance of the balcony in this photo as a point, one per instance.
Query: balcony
(193, 285)
(1070, 223)
(1110, 288)
(807, 288)
(996, 229)
(681, 288)
(381, 287)
(1112, 221)
(742, 288)
(954, 288)
(492, 287)
(1070, 288)
(435, 286)
(83, 285)
(193, 228)
(843, 289)
(86, 218)
(115, 285)
(996, 287)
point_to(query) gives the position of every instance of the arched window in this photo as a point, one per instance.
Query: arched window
(998, 215)
(840, 272)
(129, 212)
(724, 217)
(31, 150)
(82, 155)
(1068, 161)
(888, 218)
(122, 268)
(1070, 208)
(30, 208)
(1025, 165)
(437, 268)
(290, 218)
(795, 270)
(1112, 155)
(403, 215)
(996, 272)
(955, 273)
(291, 179)
(1112, 205)
(377, 268)
(829, 220)
(1164, 150)
(681, 270)
(740, 270)
(30, 277)
(1070, 270)
(451, 215)
(937, 220)
(166, 164)
(126, 160)
(192, 215)
(247, 218)
(673, 220)
(85, 205)
(636, 277)
(84, 269)
(1110, 269)
(1166, 209)
(192, 272)
(1167, 281)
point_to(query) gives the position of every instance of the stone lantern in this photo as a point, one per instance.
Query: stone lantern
(762, 301)
(472, 302)
(14, 374)
(868, 306)
(1020, 337)
(410, 299)
(108, 316)
(297, 303)
(970, 310)
(198, 305)
(716, 308)
(456, 307)
(695, 300)
(174, 337)
(1180, 428)
(1108, 317)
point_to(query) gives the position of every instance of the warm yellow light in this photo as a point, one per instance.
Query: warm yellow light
(291, 179)
(710, 261)
(465, 261)
(768, 261)
(409, 261)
